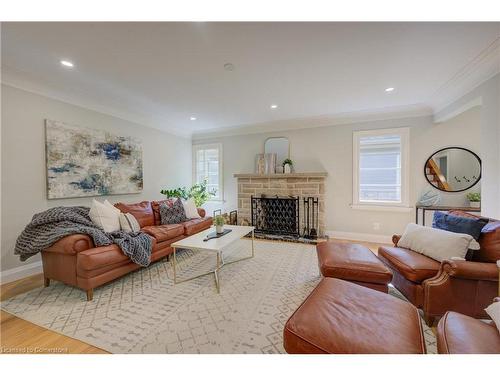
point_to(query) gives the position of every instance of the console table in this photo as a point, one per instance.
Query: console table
(441, 208)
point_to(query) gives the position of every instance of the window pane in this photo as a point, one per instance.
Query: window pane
(380, 168)
(207, 168)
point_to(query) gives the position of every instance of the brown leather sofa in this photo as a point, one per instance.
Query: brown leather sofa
(74, 260)
(467, 287)
(461, 334)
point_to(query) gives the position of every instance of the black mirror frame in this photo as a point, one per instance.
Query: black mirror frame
(455, 148)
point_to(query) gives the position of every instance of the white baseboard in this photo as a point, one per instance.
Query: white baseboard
(355, 236)
(20, 272)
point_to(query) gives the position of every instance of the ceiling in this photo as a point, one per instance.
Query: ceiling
(161, 74)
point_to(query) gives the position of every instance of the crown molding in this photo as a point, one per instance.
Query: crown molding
(346, 118)
(22, 81)
(480, 69)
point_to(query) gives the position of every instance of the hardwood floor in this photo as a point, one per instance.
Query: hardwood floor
(20, 336)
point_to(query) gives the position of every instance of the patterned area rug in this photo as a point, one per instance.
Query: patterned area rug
(144, 312)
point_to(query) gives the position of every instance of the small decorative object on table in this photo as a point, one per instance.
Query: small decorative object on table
(287, 166)
(474, 199)
(219, 224)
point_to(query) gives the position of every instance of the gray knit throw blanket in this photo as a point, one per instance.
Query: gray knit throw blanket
(50, 226)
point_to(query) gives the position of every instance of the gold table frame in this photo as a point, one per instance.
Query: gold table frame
(215, 271)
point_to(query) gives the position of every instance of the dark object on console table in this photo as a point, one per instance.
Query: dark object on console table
(344, 318)
(76, 261)
(213, 235)
(467, 287)
(355, 263)
(441, 208)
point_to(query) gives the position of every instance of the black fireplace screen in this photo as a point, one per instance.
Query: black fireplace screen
(276, 215)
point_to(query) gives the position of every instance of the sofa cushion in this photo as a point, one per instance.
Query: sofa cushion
(172, 214)
(194, 226)
(155, 205)
(461, 334)
(164, 232)
(101, 256)
(345, 318)
(413, 266)
(142, 211)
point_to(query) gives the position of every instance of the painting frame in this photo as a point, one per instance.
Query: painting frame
(86, 162)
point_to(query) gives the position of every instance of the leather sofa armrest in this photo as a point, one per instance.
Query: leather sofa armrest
(462, 269)
(72, 244)
(395, 239)
(201, 212)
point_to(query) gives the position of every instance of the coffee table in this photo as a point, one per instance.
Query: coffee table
(216, 245)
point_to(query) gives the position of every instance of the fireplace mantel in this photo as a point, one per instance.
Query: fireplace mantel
(281, 175)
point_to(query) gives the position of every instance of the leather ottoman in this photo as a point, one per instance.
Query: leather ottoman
(353, 263)
(345, 318)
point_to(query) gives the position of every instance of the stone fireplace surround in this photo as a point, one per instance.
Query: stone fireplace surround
(305, 184)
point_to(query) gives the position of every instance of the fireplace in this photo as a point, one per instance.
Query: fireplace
(304, 186)
(276, 215)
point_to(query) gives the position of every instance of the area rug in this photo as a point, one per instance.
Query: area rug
(144, 312)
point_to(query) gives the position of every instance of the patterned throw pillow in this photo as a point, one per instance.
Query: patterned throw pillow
(173, 214)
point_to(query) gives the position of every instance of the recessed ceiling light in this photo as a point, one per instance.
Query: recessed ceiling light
(192, 118)
(274, 106)
(67, 63)
(389, 89)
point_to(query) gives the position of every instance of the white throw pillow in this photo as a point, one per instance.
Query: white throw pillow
(435, 243)
(190, 209)
(105, 217)
(129, 223)
(493, 311)
(109, 205)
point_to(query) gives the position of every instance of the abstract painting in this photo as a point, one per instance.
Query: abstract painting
(85, 162)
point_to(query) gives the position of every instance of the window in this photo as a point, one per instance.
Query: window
(381, 167)
(207, 165)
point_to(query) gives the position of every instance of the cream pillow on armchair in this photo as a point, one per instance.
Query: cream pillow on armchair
(435, 243)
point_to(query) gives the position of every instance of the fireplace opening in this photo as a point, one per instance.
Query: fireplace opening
(276, 215)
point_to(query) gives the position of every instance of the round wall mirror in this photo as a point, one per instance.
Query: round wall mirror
(453, 169)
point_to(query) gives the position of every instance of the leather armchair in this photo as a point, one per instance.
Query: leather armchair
(466, 287)
(460, 286)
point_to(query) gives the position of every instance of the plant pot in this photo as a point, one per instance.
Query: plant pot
(287, 168)
(475, 204)
(219, 229)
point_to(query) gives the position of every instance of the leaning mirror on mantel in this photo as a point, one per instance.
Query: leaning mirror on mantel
(279, 146)
(453, 169)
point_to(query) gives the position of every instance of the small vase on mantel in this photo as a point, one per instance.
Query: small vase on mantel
(287, 168)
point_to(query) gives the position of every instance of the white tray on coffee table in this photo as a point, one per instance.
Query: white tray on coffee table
(215, 245)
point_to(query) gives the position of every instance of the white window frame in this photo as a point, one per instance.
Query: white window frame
(404, 205)
(218, 146)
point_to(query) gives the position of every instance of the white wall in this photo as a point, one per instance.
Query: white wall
(166, 160)
(330, 149)
(488, 96)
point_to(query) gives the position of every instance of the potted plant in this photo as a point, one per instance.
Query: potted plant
(219, 224)
(198, 192)
(287, 166)
(474, 199)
